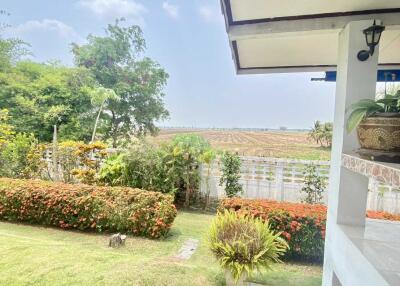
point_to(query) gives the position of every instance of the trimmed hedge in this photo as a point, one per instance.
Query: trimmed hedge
(86, 207)
(302, 225)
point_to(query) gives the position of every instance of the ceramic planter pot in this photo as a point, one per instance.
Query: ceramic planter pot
(380, 132)
(230, 281)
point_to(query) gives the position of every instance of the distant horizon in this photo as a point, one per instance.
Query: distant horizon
(235, 128)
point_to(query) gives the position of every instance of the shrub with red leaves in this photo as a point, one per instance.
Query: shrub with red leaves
(302, 225)
(86, 207)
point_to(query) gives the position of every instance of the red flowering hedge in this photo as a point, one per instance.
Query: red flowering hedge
(86, 207)
(302, 225)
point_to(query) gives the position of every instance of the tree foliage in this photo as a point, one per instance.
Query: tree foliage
(11, 49)
(39, 96)
(116, 63)
(321, 133)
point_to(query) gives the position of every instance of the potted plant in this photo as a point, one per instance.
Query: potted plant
(243, 244)
(378, 127)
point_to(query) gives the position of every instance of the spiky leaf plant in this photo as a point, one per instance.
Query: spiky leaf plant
(243, 244)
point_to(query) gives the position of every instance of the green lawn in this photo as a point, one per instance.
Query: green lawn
(31, 255)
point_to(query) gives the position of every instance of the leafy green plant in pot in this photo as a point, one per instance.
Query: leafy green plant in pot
(243, 244)
(378, 127)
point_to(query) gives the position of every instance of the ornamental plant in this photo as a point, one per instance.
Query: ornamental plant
(314, 185)
(231, 164)
(243, 244)
(79, 162)
(389, 105)
(86, 207)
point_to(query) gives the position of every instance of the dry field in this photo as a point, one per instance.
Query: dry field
(282, 144)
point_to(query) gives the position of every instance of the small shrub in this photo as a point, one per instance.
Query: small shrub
(85, 207)
(314, 185)
(243, 244)
(80, 162)
(112, 171)
(231, 164)
(20, 157)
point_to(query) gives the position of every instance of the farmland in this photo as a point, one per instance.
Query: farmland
(280, 144)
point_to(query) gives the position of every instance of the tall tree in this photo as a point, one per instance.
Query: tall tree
(116, 62)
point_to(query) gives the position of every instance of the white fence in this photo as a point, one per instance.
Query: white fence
(282, 180)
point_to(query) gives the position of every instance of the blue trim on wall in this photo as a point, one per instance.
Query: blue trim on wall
(383, 75)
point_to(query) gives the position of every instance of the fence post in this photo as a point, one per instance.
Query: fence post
(279, 180)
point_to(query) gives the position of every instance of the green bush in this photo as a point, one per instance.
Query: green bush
(85, 207)
(231, 164)
(171, 168)
(243, 243)
(17, 157)
(140, 166)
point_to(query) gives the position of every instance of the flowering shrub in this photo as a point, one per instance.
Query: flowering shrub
(85, 207)
(383, 215)
(302, 225)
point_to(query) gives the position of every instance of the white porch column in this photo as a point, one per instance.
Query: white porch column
(347, 191)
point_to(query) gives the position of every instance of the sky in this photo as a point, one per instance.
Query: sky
(189, 40)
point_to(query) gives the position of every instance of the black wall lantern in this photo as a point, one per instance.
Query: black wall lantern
(372, 36)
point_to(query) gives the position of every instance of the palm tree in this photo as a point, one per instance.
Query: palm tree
(321, 133)
(99, 97)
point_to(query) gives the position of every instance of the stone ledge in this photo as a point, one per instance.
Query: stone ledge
(386, 173)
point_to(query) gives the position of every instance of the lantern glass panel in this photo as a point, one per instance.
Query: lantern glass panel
(369, 37)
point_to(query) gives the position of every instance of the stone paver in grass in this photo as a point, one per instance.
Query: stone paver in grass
(188, 248)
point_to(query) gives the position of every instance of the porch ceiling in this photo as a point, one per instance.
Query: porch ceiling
(268, 36)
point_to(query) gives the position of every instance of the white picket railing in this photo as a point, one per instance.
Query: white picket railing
(282, 180)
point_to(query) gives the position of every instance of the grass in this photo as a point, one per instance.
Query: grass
(33, 255)
(279, 144)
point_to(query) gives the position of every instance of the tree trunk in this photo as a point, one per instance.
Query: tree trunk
(208, 191)
(54, 154)
(187, 197)
(97, 122)
(114, 128)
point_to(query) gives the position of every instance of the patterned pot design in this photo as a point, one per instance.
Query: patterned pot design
(380, 133)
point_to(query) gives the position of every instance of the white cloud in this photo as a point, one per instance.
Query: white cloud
(129, 9)
(48, 25)
(172, 10)
(210, 14)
